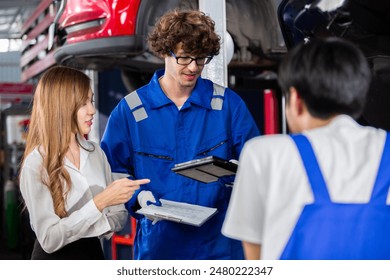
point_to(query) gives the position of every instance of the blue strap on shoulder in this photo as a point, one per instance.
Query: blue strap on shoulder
(341, 231)
(317, 182)
(313, 170)
(382, 182)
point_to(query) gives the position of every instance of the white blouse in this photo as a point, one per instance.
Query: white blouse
(84, 219)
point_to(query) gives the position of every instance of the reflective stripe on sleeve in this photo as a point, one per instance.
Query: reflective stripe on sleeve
(136, 106)
(218, 97)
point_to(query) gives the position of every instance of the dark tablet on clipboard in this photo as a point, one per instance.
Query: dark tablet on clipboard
(207, 169)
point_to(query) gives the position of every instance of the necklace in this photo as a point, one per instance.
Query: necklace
(75, 155)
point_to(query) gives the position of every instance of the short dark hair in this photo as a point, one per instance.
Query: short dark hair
(193, 28)
(331, 75)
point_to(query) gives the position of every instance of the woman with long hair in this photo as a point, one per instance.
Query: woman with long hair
(65, 180)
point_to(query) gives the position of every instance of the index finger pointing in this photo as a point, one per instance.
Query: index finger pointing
(141, 182)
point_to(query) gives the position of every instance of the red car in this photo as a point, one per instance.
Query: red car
(110, 34)
(99, 34)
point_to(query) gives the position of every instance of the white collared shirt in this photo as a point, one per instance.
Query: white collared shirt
(84, 219)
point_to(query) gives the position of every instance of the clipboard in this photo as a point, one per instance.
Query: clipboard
(179, 212)
(206, 170)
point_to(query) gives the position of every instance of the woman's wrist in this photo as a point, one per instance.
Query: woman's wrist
(99, 202)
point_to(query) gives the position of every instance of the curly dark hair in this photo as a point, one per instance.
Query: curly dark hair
(193, 28)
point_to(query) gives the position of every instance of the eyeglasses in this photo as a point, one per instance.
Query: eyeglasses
(186, 60)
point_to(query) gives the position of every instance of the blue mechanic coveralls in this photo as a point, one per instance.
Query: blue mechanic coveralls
(146, 135)
(338, 231)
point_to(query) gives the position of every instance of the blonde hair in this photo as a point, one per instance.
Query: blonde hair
(60, 92)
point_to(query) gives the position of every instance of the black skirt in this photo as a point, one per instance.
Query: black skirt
(82, 249)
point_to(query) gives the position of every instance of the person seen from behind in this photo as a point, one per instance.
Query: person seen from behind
(321, 192)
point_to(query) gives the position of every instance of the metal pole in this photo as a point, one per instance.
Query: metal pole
(217, 69)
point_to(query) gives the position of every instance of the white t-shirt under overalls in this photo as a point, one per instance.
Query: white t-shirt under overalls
(271, 186)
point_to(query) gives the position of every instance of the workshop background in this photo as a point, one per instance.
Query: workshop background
(106, 40)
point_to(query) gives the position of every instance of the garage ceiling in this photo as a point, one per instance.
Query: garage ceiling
(12, 15)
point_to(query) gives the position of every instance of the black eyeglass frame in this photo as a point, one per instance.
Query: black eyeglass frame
(206, 58)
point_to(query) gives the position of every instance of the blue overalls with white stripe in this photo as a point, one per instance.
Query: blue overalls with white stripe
(146, 135)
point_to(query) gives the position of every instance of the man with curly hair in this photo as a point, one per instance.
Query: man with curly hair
(179, 116)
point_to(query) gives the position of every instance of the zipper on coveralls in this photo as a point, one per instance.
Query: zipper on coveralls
(155, 156)
(203, 153)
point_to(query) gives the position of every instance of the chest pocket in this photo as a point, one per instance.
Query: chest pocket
(208, 150)
(219, 146)
(154, 164)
